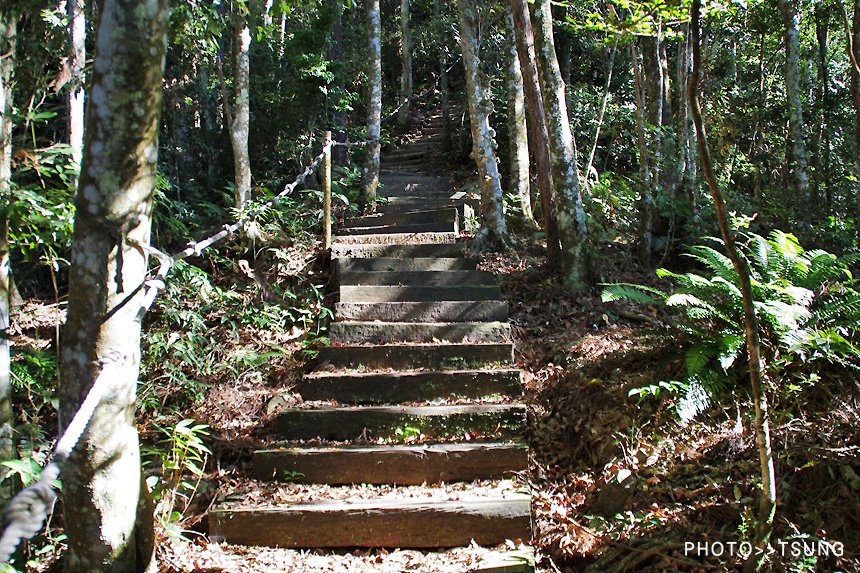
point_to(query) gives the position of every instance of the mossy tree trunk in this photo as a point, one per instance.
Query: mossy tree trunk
(240, 122)
(370, 175)
(791, 20)
(493, 228)
(518, 137)
(575, 260)
(102, 486)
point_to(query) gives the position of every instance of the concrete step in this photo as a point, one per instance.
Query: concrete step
(402, 523)
(447, 214)
(417, 278)
(429, 192)
(465, 207)
(445, 311)
(417, 356)
(399, 387)
(429, 227)
(360, 332)
(402, 251)
(401, 465)
(397, 239)
(345, 265)
(400, 422)
(391, 293)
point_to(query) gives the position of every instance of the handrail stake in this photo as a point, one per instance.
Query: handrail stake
(327, 190)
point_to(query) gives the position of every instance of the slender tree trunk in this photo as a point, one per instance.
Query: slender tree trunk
(575, 260)
(517, 129)
(494, 232)
(405, 63)
(102, 486)
(791, 20)
(370, 176)
(685, 128)
(442, 34)
(767, 502)
(77, 59)
(537, 128)
(240, 123)
(340, 154)
(646, 195)
(8, 32)
(822, 147)
(854, 55)
(603, 102)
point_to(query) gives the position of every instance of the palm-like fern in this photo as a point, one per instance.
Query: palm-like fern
(808, 305)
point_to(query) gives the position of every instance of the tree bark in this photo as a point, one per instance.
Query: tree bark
(8, 32)
(646, 171)
(240, 122)
(494, 231)
(575, 261)
(603, 102)
(370, 175)
(77, 60)
(406, 64)
(340, 154)
(791, 20)
(767, 503)
(822, 147)
(854, 55)
(537, 128)
(101, 479)
(519, 184)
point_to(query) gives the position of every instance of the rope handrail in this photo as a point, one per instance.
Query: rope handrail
(25, 514)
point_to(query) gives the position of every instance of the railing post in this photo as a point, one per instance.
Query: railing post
(327, 191)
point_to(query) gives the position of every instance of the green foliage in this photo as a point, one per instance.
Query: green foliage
(807, 302)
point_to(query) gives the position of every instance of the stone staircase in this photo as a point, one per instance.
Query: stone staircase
(418, 391)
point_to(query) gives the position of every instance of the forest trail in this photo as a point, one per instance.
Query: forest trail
(417, 397)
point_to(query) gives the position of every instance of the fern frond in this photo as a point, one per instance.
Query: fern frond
(632, 292)
(714, 260)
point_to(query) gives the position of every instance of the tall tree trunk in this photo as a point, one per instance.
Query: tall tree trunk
(685, 129)
(101, 479)
(822, 146)
(603, 102)
(406, 64)
(240, 122)
(575, 260)
(340, 154)
(646, 193)
(538, 136)
(8, 32)
(854, 53)
(370, 176)
(443, 73)
(77, 59)
(791, 20)
(518, 137)
(494, 232)
(767, 502)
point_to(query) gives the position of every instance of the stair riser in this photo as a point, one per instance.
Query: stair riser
(417, 278)
(369, 332)
(427, 525)
(432, 227)
(402, 265)
(416, 191)
(453, 311)
(450, 357)
(398, 251)
(396, 425)
(399, 388)
(398, 239)
(448, 215)
(418, 294)
(400, 466)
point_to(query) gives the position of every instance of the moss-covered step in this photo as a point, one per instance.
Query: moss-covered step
(391, 523)
(416, 356)
(417, 278)
(430, 311)
(361, 332)
(346, 265)
(398, 387)
(400, 422)
(401, 251)
(401, 465)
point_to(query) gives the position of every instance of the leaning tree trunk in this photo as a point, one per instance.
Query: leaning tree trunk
(493, 232)
(77, 59)
(767, 503)
(8, 30)
(791, 20)
(102, 484)
(589, 165)
(518, 136)
(405, 64)
(575, 260)
(538, 136)
(370, 176)
(240, 122)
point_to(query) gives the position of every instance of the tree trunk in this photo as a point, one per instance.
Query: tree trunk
(646, 171)
(240, 122)
(767, 503)
(406, 65)
(102, 487)
(685, 129)
(575, 261)
(340, 154)
(538, 136)
(370, 177)
(493, 232)
(603, 102)
(791, 19)
(8, 32)
(854, 48)
(77, 60)
(518, 136)
(822, 147)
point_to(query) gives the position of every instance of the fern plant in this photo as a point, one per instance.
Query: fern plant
(808, 305)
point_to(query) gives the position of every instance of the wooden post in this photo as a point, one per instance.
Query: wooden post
(327, 191)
